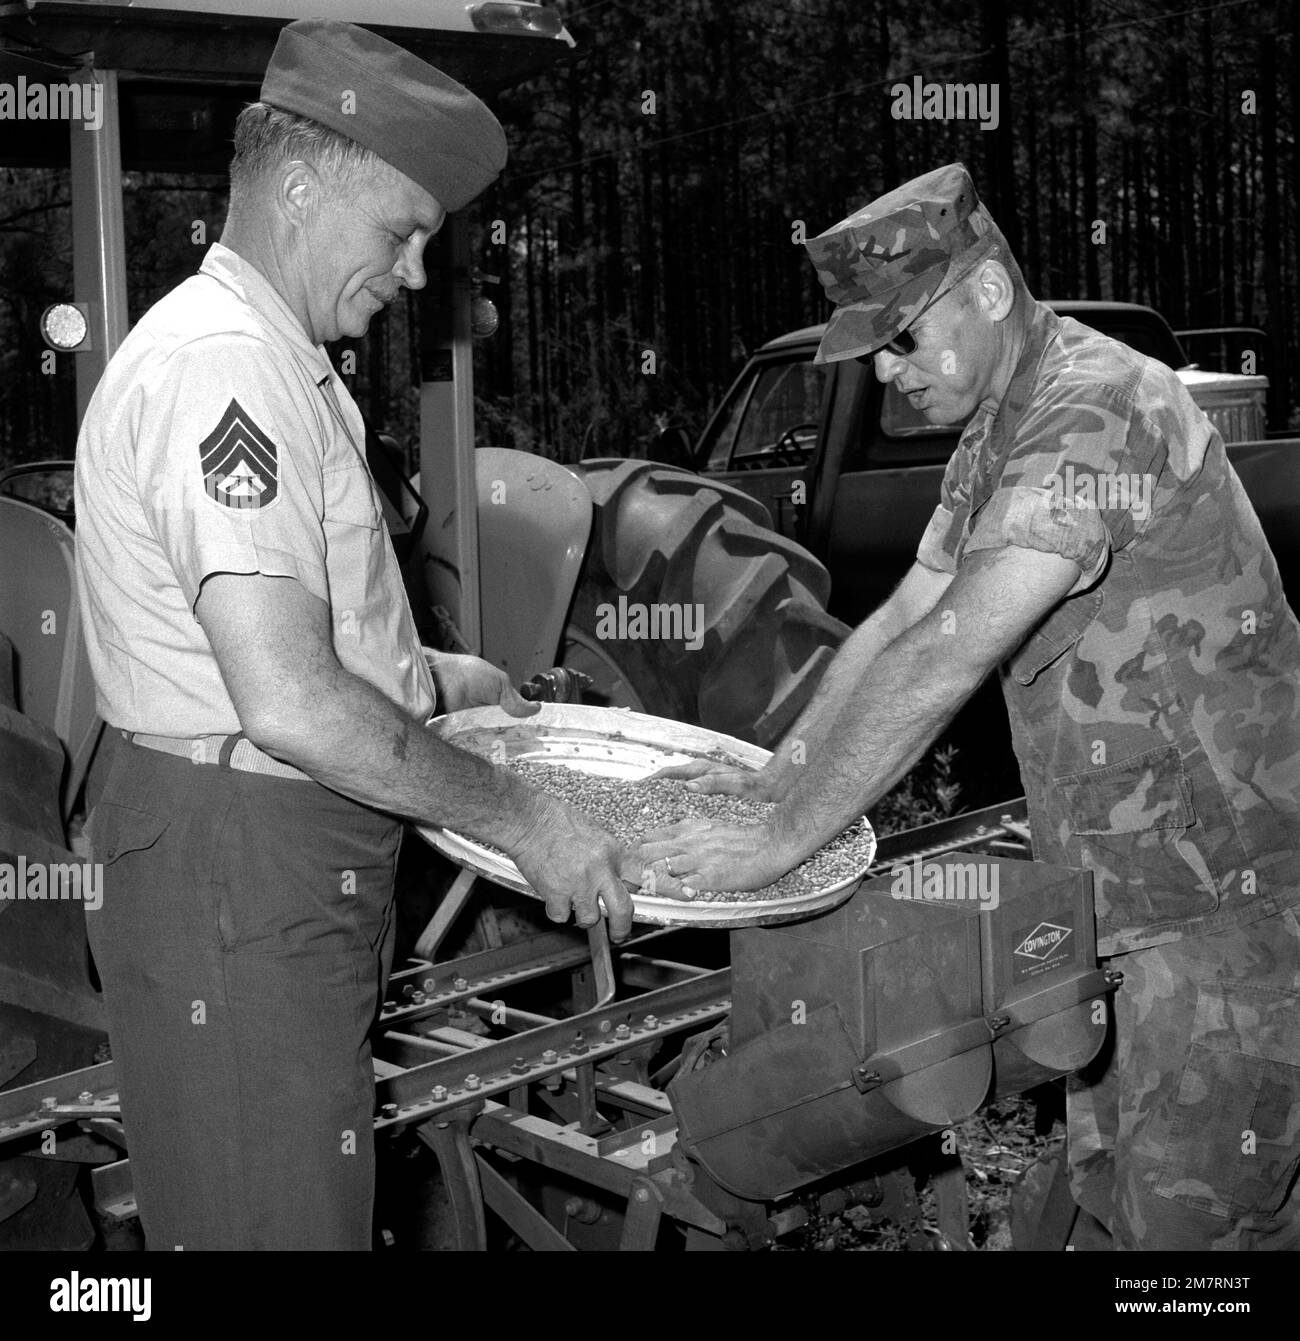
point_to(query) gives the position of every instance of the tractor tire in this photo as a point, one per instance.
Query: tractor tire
(664, 537)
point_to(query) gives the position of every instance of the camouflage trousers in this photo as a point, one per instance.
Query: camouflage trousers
(1185, 1133)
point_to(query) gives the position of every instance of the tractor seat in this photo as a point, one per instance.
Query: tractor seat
(40, 616)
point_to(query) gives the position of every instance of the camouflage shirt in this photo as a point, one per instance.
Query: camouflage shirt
(1156, 710)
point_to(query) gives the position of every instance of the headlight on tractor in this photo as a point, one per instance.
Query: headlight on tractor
(66, 327)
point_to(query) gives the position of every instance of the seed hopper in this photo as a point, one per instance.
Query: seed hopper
(727, 1071)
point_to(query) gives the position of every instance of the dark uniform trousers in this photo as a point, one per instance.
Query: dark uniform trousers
(243, 943)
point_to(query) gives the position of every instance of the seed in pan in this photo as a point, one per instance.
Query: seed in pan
(630, 810)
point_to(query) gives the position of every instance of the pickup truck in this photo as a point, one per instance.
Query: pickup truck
(851, 471)
(867, 466)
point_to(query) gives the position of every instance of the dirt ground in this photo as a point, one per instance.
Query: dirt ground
(997, 1145)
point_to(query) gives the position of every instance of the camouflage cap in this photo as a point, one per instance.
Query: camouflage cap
(884, 264)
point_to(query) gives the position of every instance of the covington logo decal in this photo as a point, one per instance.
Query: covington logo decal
(1044, 941)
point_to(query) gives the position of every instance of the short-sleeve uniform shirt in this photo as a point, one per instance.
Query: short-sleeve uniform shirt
(220, 440)
(1156, 710)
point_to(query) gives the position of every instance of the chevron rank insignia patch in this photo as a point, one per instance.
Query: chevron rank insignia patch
(240, 462)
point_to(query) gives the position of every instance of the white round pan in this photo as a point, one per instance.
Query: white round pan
(619, 743)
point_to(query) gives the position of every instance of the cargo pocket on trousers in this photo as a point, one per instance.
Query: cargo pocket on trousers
(1133, 820)
(115, 830)
(1232, 1147)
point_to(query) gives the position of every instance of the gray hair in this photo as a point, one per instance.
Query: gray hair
(267, 138)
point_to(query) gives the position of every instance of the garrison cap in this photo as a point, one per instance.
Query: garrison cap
(883, 265)
(413, 116)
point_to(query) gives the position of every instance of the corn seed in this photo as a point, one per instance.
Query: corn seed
(629, 810)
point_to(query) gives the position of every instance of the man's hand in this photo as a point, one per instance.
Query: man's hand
(694, 855)
(708, 775)
(576, 866)
(471, 682)
(274, 644)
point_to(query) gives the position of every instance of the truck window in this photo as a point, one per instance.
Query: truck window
(901, 419)
(780, 419)
(719, 450)
(906, 438)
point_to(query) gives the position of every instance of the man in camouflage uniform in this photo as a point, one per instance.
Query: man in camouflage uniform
(1093, 541)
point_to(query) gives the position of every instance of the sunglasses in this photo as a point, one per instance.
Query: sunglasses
(904, 343)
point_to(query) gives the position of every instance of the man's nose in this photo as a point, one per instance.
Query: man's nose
(410, 266)
(887, 364)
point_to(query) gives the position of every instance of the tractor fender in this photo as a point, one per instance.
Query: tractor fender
(534, 520)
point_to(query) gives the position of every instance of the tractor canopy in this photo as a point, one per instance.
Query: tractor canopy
(186, 67)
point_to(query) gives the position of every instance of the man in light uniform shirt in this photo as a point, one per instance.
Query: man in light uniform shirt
(259, 669)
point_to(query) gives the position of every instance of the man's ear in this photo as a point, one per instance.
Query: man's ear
(994, 290)
(300, 191)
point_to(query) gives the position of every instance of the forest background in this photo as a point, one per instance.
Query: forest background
(659, 182)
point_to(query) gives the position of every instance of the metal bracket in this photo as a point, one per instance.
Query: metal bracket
(882, 1067)
(592, 1037)
(535, 1230)
(449, 1140)
(949, 1184)
(1006, 819)
(453, 902)
(602, 964)
(645, 1207)
(113, 1189)
(87, 1093)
